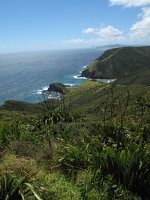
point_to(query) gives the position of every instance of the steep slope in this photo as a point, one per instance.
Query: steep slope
(132, 64)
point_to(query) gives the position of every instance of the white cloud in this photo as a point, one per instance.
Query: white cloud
(141, 29)
(130, 3)
(139, 32)
(106, 32)
(88, 30)
(101, 36)
(109, 32)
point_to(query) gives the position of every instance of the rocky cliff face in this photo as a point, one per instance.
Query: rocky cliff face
(120, 63)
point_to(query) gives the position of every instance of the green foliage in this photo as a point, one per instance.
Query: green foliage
(15, 131)
(87, 184)
(110, 190)
(72, 159)
(9, 132)
(130, 166)
(55, 186)
(94, 186)
(97, 137)
(18, 165)
(12, 188)
(22, 106)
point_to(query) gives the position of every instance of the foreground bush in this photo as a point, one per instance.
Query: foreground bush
(130, 166)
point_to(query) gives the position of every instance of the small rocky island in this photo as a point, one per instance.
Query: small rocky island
(57, 87)
(55, 90)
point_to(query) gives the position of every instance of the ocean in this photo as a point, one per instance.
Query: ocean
(24, 75)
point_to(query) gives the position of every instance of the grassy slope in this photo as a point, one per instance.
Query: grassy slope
(86, 99)
(90, 96)
(17, 110)
(87, 95)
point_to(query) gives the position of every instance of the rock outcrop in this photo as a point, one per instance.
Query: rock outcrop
(57, 87)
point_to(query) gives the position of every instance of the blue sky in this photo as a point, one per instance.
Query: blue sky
(29, 25)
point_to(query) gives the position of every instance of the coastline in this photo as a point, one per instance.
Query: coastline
(58, 96)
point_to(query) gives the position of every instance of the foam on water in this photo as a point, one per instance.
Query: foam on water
(54, 95)
(79, 77)
(40, 91)
(71, 84)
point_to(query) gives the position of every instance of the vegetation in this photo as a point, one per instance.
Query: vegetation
(13, 188)
(93, 144)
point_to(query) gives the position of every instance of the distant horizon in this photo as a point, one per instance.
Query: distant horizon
(75, 48)
(39, 25)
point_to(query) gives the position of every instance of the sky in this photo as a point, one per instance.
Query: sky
(30, 25)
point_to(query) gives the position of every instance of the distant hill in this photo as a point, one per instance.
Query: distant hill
(106, 47)
(126, 64)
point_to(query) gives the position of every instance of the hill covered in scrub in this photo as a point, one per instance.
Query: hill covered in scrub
(129, 65)
(93, 143)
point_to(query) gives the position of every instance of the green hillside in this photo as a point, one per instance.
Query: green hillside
(93, 144)
(127, 64)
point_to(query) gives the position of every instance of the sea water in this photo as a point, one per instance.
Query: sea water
(23, 76)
